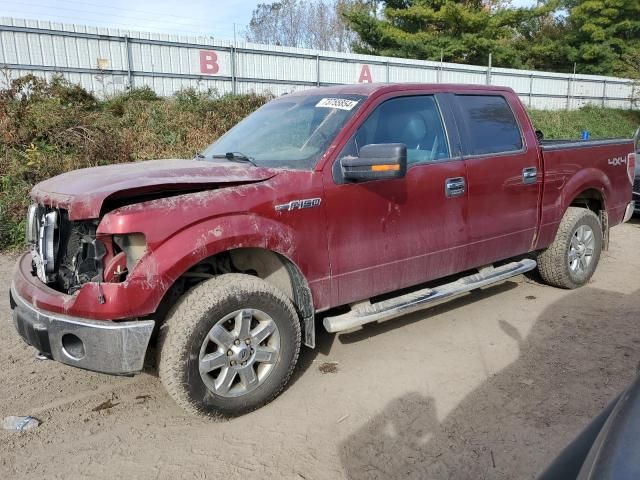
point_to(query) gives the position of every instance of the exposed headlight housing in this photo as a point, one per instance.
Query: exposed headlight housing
(42, 235)
(134, 246)
(32, 228)
(48, 244)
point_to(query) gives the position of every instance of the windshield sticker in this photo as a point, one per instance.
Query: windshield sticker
(341, 103)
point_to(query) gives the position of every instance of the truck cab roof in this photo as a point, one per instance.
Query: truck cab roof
(369, 89)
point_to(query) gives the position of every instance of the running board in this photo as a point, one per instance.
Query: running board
(427, 297)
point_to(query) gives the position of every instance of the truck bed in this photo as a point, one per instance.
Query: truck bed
(575, 166)
(573, 143)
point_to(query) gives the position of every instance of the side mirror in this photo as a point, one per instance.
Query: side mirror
(377, 161)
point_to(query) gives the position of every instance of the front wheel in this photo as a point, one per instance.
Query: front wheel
(229, 346)
(571, 259)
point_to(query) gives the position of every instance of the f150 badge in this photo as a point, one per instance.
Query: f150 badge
(616, 161)
(298, 204)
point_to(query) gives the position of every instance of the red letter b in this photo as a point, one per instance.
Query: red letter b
(209, 62)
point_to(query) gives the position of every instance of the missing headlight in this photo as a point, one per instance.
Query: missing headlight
(82, 258)
(134, 246)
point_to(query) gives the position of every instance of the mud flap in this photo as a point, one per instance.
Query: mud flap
(304, 304)
(604, 221)
(310, 331)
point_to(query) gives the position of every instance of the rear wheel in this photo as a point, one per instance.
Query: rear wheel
(572, 258)
(229, 346)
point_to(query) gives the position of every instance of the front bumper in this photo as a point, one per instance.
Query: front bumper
(117, 348)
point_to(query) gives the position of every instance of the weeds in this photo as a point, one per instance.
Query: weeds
(50, 127)
(599, 122)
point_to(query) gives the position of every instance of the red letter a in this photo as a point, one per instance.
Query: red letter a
(365, 75)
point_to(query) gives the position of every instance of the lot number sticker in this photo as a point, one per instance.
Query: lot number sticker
(341, 103)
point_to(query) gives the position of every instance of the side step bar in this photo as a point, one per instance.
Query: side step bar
(412, 302)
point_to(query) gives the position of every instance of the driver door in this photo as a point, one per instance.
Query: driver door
(384, 235)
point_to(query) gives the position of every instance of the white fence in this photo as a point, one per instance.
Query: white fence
(106, 60)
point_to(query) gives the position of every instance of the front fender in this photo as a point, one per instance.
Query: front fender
(215, 235)
(160, 267)
(141, 293)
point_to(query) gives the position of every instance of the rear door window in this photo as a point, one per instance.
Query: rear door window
(489, 125)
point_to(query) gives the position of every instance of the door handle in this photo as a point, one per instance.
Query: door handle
(454, 187)
(529, 175)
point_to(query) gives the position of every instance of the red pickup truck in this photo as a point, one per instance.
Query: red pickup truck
(329, 197)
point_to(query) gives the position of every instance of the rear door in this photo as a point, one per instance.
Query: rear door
(504, 175)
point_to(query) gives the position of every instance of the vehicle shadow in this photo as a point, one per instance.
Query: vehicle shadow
(325, 340)
(579, 354)
(635, 220)
(373, 329)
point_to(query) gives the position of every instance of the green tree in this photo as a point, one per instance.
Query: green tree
(463, 31)
(542, 41)
(301, 23)
(604, 34)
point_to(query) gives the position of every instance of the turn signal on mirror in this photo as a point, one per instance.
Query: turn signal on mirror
(384, 168)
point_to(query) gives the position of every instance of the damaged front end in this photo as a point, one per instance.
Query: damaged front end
(67, 254)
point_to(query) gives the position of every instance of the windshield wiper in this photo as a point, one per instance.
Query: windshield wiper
(236, 157)
(200, 155)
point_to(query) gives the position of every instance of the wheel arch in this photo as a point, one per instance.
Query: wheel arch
(589, 188)
(263, 245)
(282, 272)
(269, 265)
(590, 198)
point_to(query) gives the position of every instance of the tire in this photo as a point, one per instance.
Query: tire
(189, 343)
(557, 264)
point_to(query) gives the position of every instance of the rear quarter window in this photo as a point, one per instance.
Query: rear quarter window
(489, 125)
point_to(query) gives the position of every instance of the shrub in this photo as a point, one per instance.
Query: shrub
(50, 127)
(116, 104)
(599, 122)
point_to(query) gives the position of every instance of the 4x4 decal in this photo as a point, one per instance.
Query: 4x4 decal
(617, 161)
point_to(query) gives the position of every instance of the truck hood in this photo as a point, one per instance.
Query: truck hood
(84, 192)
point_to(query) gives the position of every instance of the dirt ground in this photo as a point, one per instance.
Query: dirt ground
(491, 385)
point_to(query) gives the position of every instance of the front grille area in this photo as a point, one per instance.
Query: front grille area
(65, 254)
(636, 186)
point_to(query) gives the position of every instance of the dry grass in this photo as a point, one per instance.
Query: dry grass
(599, 122)
(47, 128)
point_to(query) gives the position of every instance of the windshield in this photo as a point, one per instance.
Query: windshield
(287, 132)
